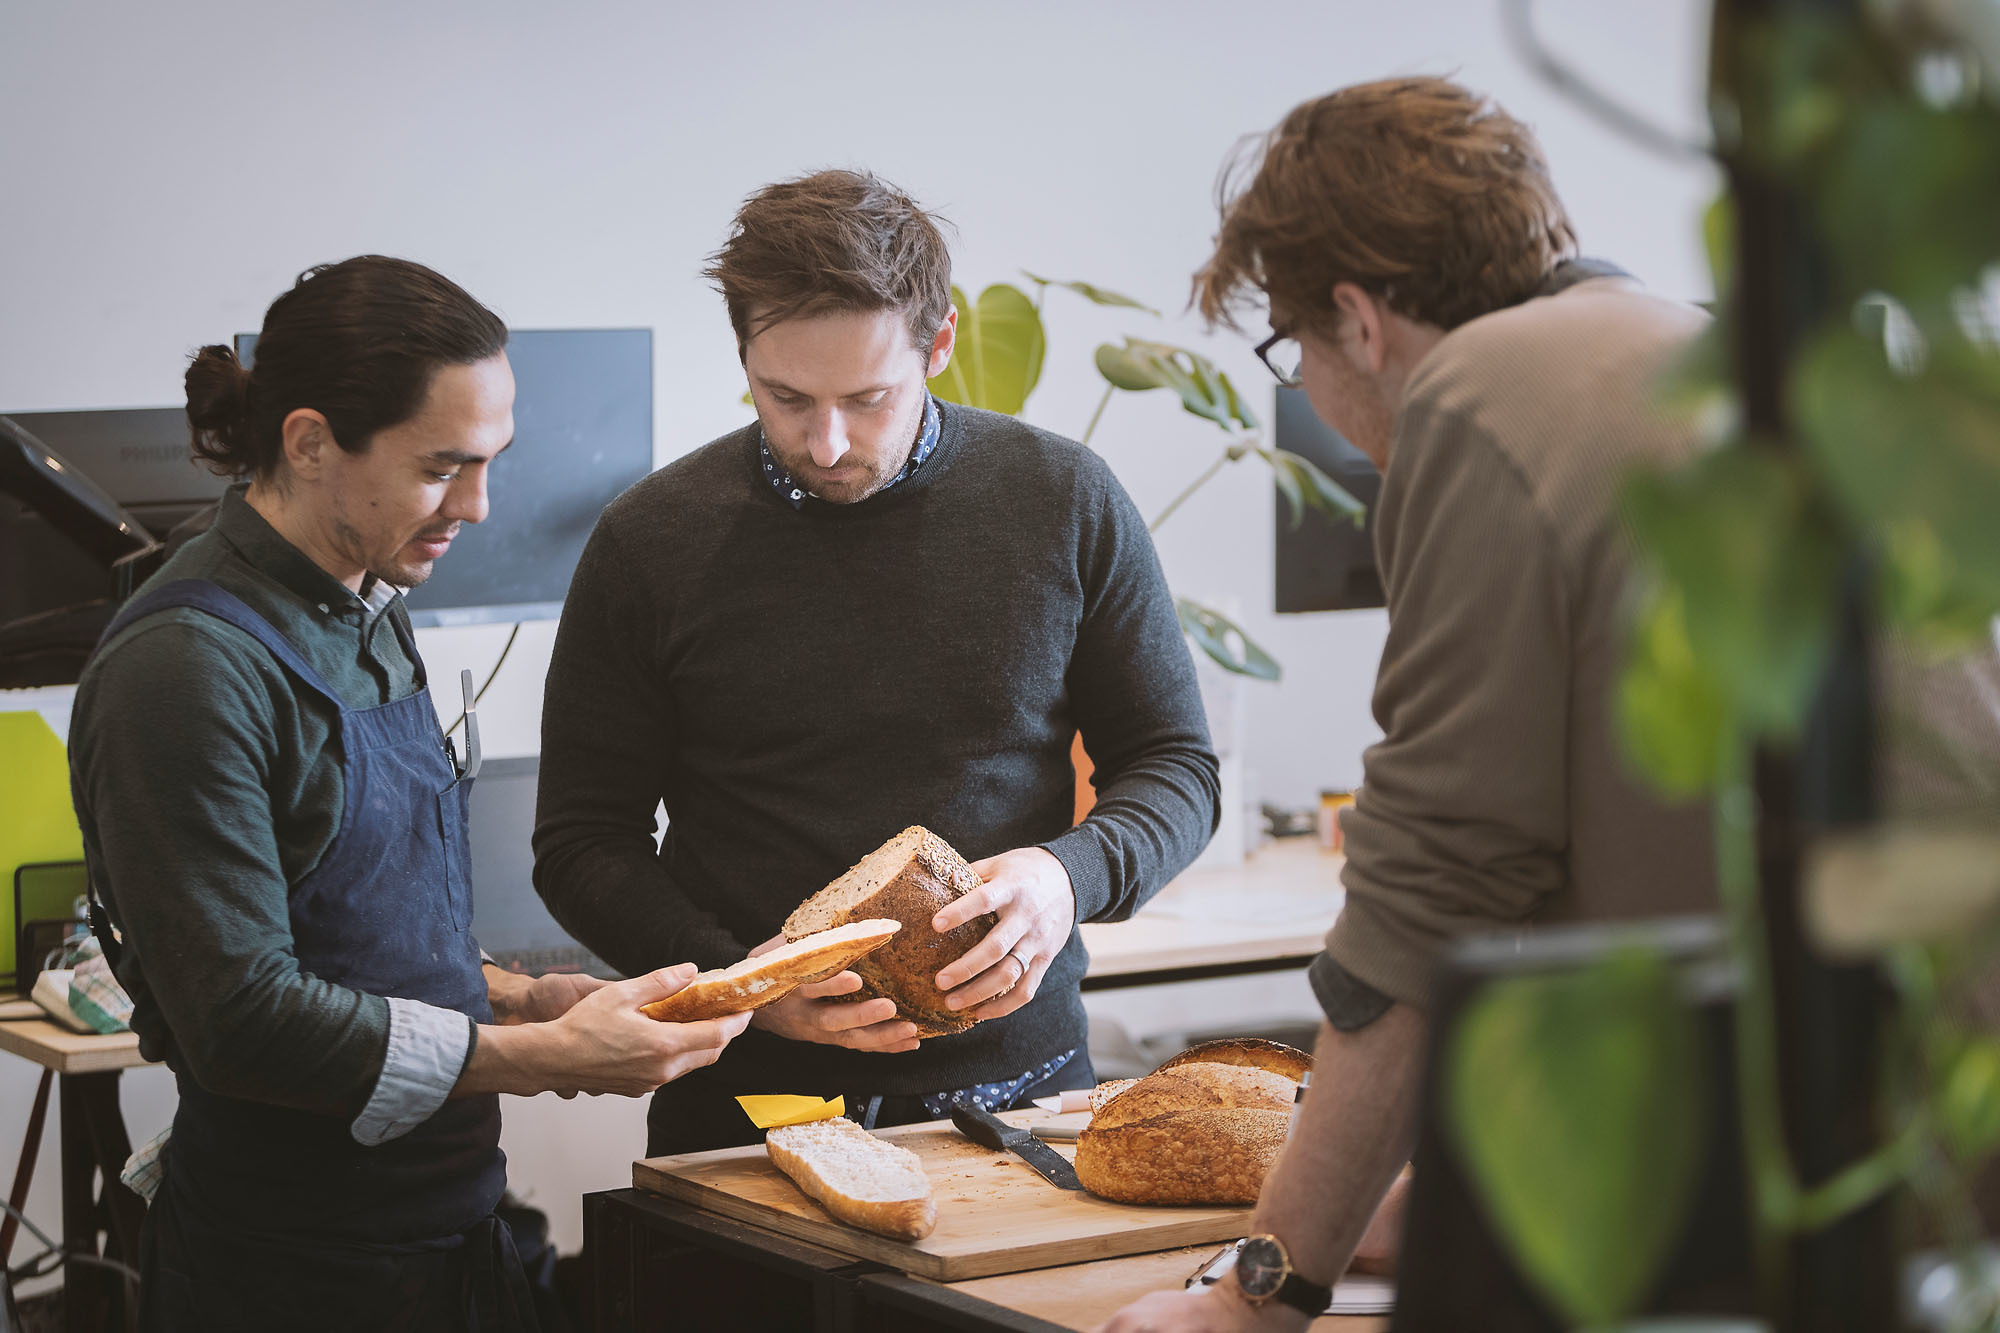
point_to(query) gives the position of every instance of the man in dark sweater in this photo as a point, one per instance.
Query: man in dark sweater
(865, 611)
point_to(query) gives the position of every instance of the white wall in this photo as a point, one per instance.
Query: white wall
(169, 167)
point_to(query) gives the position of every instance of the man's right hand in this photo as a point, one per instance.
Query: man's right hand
(813, 1013)
(601, 1044)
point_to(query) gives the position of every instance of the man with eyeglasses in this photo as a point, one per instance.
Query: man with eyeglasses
(1423, 293)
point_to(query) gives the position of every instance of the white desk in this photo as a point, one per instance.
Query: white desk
(1271, 912)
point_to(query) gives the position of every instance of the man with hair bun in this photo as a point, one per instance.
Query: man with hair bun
(1419, 273)
(275, 831)
(865, 610)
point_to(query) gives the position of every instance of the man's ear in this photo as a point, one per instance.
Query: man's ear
(1362, 325)
(307, 439)
(942, 344)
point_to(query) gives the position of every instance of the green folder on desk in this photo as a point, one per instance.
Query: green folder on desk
(37, 827)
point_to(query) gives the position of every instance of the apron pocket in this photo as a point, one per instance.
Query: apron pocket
(451, 805)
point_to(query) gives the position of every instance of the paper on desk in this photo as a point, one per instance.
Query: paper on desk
(782, 1109)
(1073, 1099)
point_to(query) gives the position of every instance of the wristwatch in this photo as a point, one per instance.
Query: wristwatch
(1264, 1270)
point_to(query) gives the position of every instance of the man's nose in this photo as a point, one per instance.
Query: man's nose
(827, 440)
(466, 501)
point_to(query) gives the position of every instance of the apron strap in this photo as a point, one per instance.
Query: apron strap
(226, 606)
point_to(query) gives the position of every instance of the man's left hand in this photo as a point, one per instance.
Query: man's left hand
(1030, 892)
(519, 999)
(1212, 1309)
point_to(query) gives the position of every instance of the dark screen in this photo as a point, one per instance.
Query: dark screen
(583, 432)
(1325, 564)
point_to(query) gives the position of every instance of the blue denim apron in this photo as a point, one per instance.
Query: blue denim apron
(387, 911)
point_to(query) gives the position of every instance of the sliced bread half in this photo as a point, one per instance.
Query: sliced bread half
(770, 977)
(906, 879)
(859, 1179)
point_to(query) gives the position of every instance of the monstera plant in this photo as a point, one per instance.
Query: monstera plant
(998, 363)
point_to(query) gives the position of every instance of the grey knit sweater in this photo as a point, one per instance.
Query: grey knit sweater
(797, 685)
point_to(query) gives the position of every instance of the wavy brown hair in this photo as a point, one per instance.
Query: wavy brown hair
(833, 242)
(1420, 192)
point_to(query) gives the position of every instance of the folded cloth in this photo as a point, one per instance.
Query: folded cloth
(144, 1168)
(94, 994)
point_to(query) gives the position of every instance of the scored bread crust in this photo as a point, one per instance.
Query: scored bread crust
(768, 978)
(1250, 1052)
(1213, 1155)
(1195, 1133)
(928, 874)
(800, 1151)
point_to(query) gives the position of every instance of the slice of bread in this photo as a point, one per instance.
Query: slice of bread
(1251, 1053)
(906, 879)
(770, 977)
(859, 1179)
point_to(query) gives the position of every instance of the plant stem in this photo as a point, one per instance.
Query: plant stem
(1192, 487)
(1773, 1183)
(1102, 403)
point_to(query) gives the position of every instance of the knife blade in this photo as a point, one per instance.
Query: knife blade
(989, 1130)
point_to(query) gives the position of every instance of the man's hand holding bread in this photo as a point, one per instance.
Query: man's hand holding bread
(1030, 893)
(817, 1013)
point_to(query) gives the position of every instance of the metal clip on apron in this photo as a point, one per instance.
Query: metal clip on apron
(387, 911)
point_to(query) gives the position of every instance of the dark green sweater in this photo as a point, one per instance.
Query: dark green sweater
(208, 781)
(797, 685)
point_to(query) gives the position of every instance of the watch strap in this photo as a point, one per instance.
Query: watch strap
(1300, 1294)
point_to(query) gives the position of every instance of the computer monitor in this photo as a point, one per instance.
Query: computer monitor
(1325, 563)
(583, 432)
(508, 918)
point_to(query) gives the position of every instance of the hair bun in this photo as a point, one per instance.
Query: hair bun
(218, 409)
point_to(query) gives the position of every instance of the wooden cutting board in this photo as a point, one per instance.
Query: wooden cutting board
(995, 1213)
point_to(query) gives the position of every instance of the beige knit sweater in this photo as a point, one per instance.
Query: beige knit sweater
(1498, 795)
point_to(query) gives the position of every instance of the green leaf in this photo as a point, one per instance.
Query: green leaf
(1968, 1098)
(1741, 535)
(1091, 292)
(1718, 235)
(1580, 1105)
(1908, 198)
(1224, 640)
(998, 357)
(1914, 457)
(1671, 714)
(1204, 390)
(1303, 485)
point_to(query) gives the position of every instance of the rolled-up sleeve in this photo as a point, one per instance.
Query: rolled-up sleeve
(428, 1048)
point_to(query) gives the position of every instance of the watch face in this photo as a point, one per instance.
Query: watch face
(1260, 1267)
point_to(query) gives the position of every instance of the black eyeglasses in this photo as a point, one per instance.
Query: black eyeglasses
(1283, 357)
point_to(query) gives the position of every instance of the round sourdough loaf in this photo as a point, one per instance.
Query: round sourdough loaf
(1251, 1053)
(1193, 1133)
(770, 977)
(906, 879)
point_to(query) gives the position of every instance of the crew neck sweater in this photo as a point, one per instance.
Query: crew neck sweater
(797, 685)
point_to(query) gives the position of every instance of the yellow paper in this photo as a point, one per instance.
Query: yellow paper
(784, 1109)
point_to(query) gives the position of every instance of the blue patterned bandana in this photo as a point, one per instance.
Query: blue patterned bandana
(796, 495)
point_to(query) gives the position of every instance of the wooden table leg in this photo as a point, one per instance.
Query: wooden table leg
(24, 1170)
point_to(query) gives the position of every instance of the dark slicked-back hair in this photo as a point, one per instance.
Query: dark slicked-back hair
(358, 341)
(1418, 191)
(834, 242)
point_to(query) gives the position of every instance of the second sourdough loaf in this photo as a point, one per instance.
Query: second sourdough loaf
(859, 1179)
(906, 879)
(1194, 1130)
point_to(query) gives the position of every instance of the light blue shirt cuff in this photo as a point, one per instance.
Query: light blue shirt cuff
(427, 1050)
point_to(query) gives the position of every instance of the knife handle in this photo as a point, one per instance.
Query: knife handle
(975, 1128)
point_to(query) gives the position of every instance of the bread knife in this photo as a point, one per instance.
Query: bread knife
(989, 1130)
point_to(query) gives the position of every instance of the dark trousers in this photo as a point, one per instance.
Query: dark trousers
(697, 1113)
(200, 1275)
